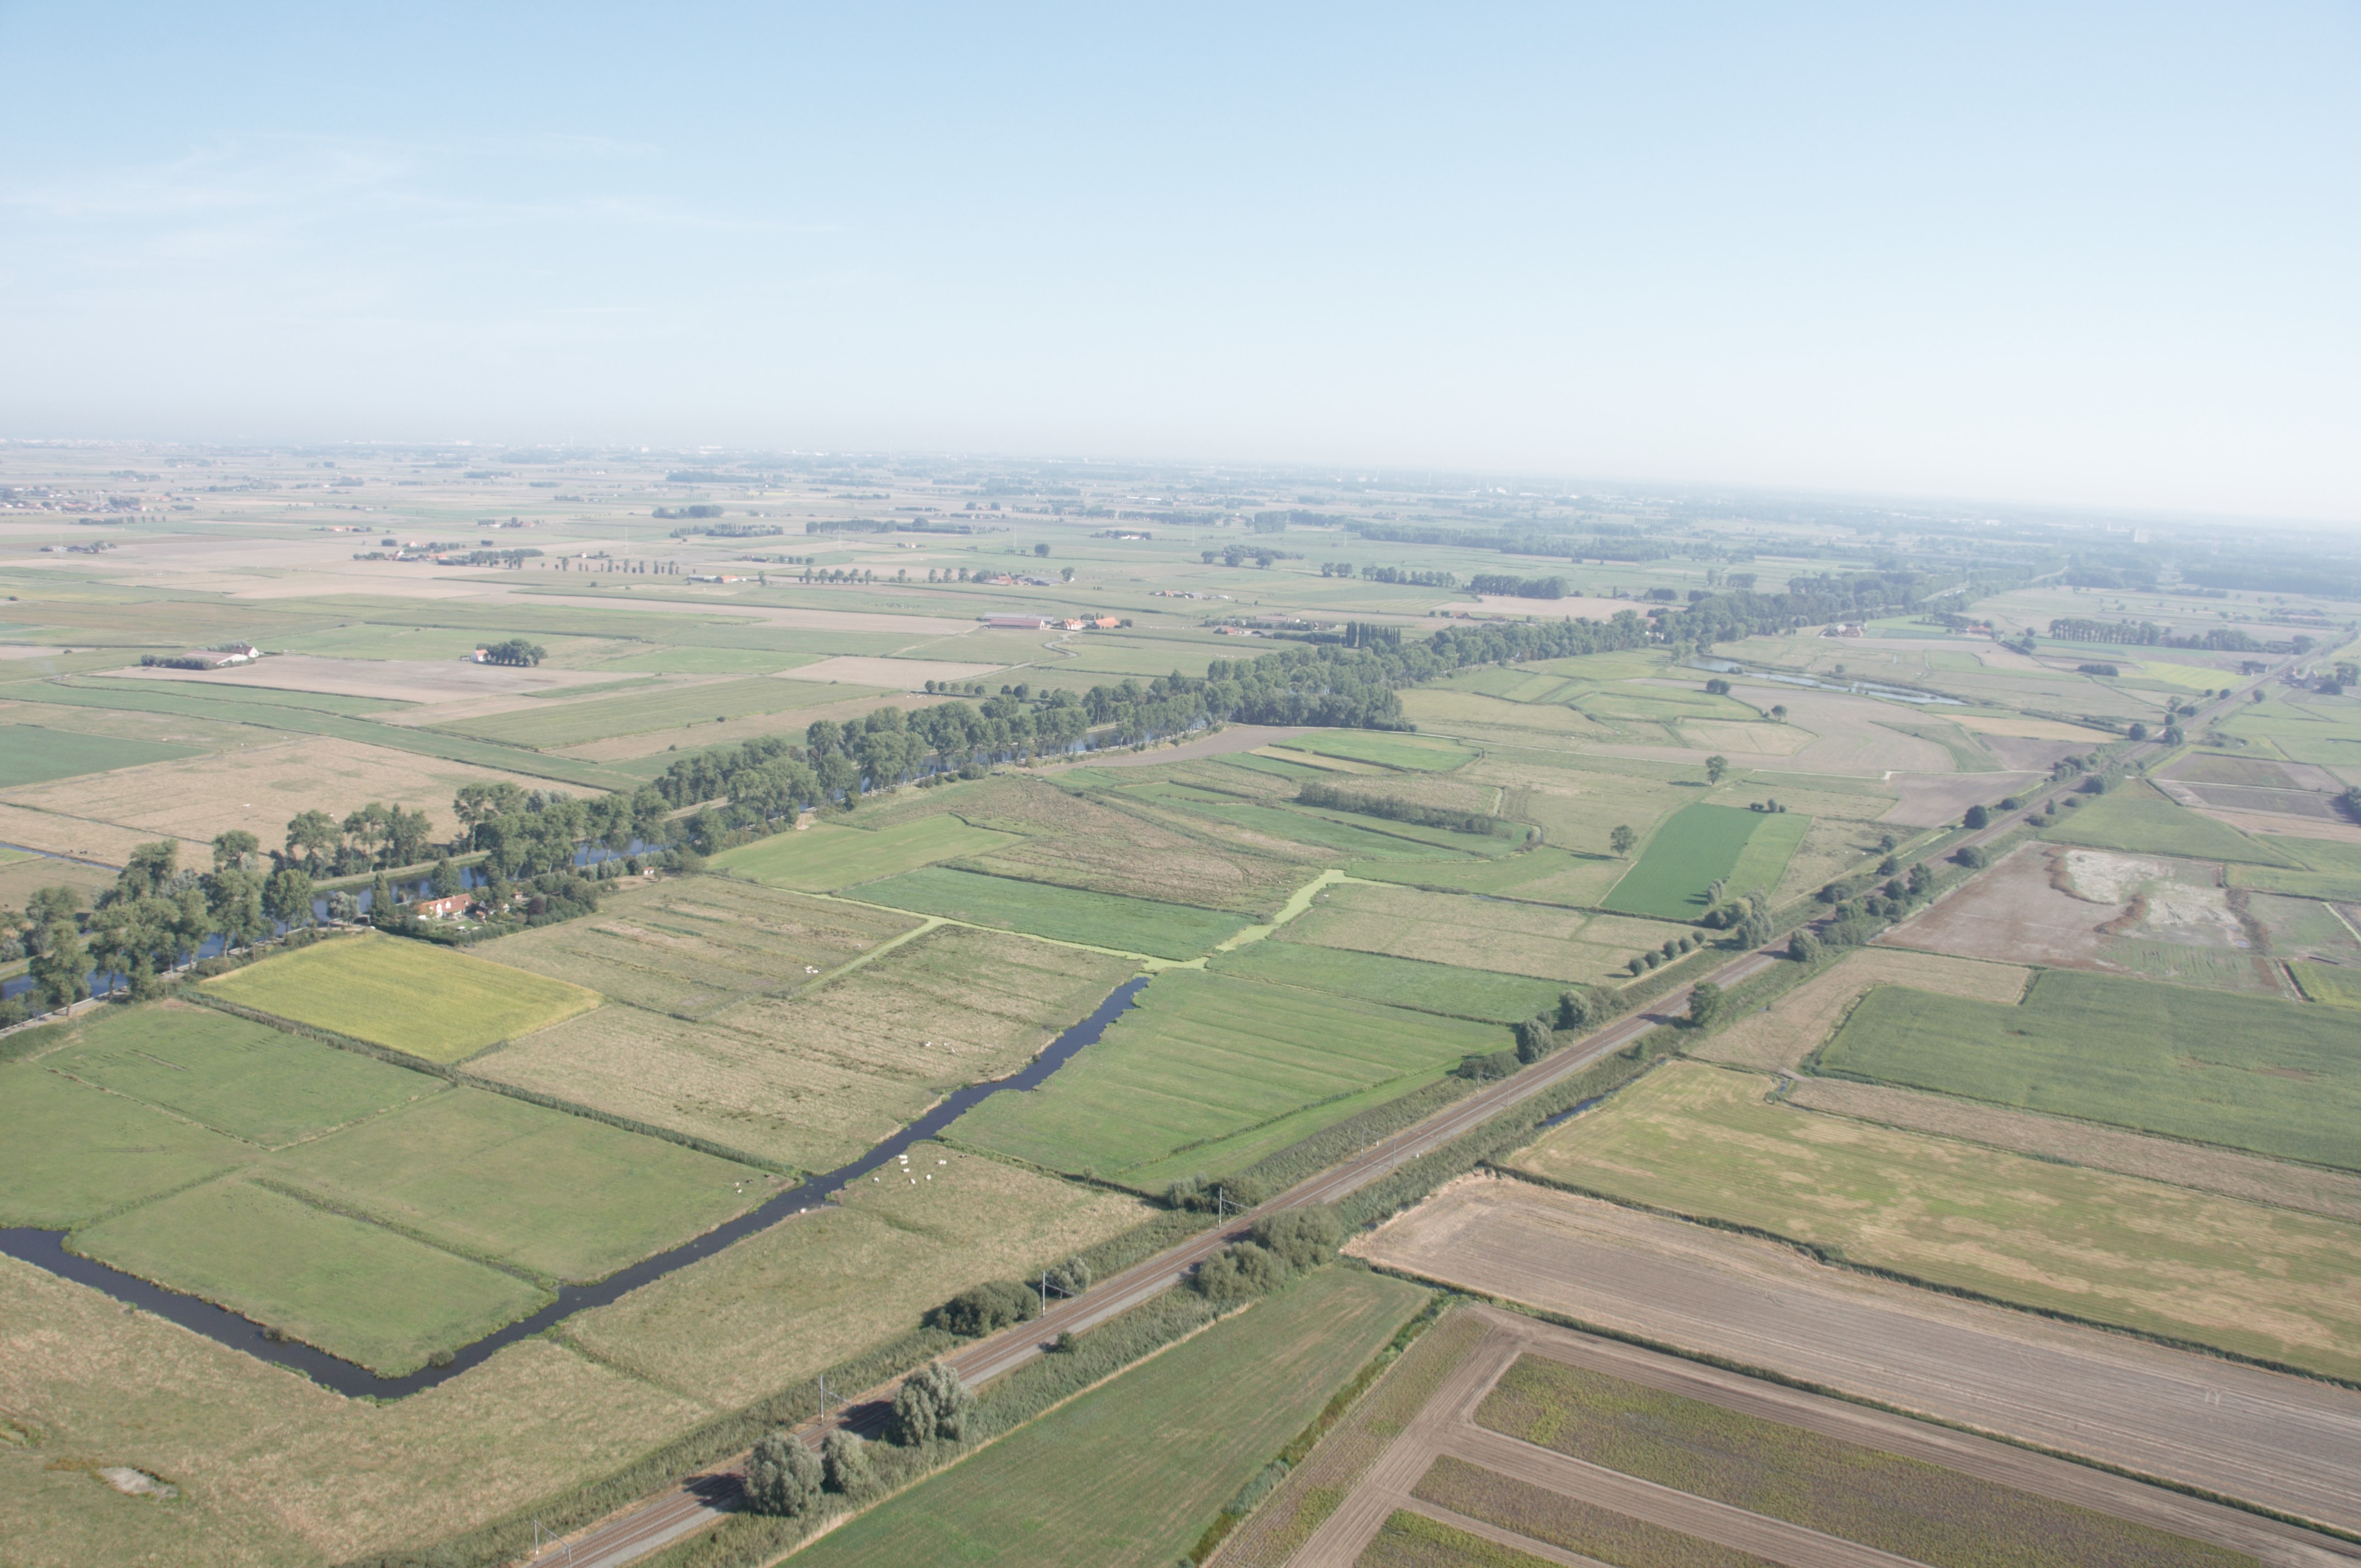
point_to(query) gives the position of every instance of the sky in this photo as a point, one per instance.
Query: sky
(2099, 256)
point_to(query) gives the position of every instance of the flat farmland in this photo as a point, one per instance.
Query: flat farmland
(650, 751)
(788, 1302)
(1210, 1072)
(1340, 835)
(694, 945)
(1799, 1022)
(1546, 943)
(813, 1080)
(259, 787)
(487, 1175)
(1062, 914)
(353, 1288)
(554, 724)
(2287, 1443)
(78, 1153)
(706, 662)
(250, 1081)
(2330, 983)
(2256, 1073)
(2137, 819)
(1398, 983)
(428, 1001)
(2331, 869)
(22, 875)
(387, 678)
(1702, 1141)
(33, 754)
(1410, 1540)
(1545, 875)
(1699, 845)
(825, 856)
(1131, 1473)
(1387, 749)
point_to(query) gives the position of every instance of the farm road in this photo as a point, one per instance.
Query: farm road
(1446, 1426)
(2287, 1443)
(702, 1499)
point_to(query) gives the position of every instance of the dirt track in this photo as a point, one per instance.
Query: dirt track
(2286, 1444)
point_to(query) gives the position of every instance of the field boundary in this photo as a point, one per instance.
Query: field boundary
(1835, 1258)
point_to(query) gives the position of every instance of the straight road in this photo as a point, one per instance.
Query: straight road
(702, 1499)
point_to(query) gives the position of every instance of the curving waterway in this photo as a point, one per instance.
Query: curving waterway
(47, 1249)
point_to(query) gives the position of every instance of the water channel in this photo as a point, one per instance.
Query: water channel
(47, 1249)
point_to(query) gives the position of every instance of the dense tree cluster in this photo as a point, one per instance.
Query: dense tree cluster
(2147, 634)
(1392, 808)
(1517, 587)
(514, 651)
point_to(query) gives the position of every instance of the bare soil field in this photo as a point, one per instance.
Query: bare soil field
(2283, 1442)
(2011, 913)
(784, 1304)
(1800, 1022)
(257, 788)
(812, 1080)
(691, 947)
(2333, 1195)
(1930, 800)
(902, 675)
(395, 680)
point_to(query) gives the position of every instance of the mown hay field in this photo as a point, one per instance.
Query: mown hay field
(1410, 1540)
(1387, 749)
(811, 1080)
(788, 1302)
(485, 1175)
(2138, 820)
(2331, 869)
(1210, 1072)
(1341, 836)
(693, 946)
(428, 1001)
(824, 858)
(1062, 914)
(1797, 1023)
(1701, 1141)
(1545, 875)
(248, 1080)
(2252, 1072)
(553, 723)
(76, 1152)
(1446, 989)
(1893, 1503)
(1699, 845)
(31, 754)
(1543, 942)
(1129, 1474)
(355, 1289)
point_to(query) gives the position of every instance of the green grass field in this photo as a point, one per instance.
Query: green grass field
(2331, 869)
(2328, 983)
(1702, 1141)
(426, 1001)
(558, 724)
(1387, 749)
(559, 1195)
(1546, 875)
(1129, 1474)
(825, 856)
(353, 1288)
(2253, 1073)
(2139, 822)
(1906, 1506)
(1398, 983)
(245, 1079)
(31, 754)
(1210, 1072)
(1062, 914)
(1697, 845)
(1768, 849)
(1345, 835)
(76, 1153)
(708, 662)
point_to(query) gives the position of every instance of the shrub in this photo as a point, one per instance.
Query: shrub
(844, 1464)
(2012, 803)
(1483, 1066)
(1305, 1238)
(1239, 1272)
(985, 1309)
(931, 1405)
(1973, 857)
(783, 1477)
(1201, 1195)
(1073, 1276)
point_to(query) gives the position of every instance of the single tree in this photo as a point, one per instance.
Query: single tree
(1042, 548)
(783, 1477)
(1779, 713)
(931, 1405)
(1804, 948)
(1305, 1238)
(231, 848)
(1240, 1271)
(286, 898)
(1715, 767)
(61, 970)
(1705, 1004)
(1535, 1039)
(1621, 838)
(844, 1461)
(312, 834)
(1977, 817)
(1575, 1010)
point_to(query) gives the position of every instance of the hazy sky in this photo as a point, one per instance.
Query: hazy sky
(2048, 252)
